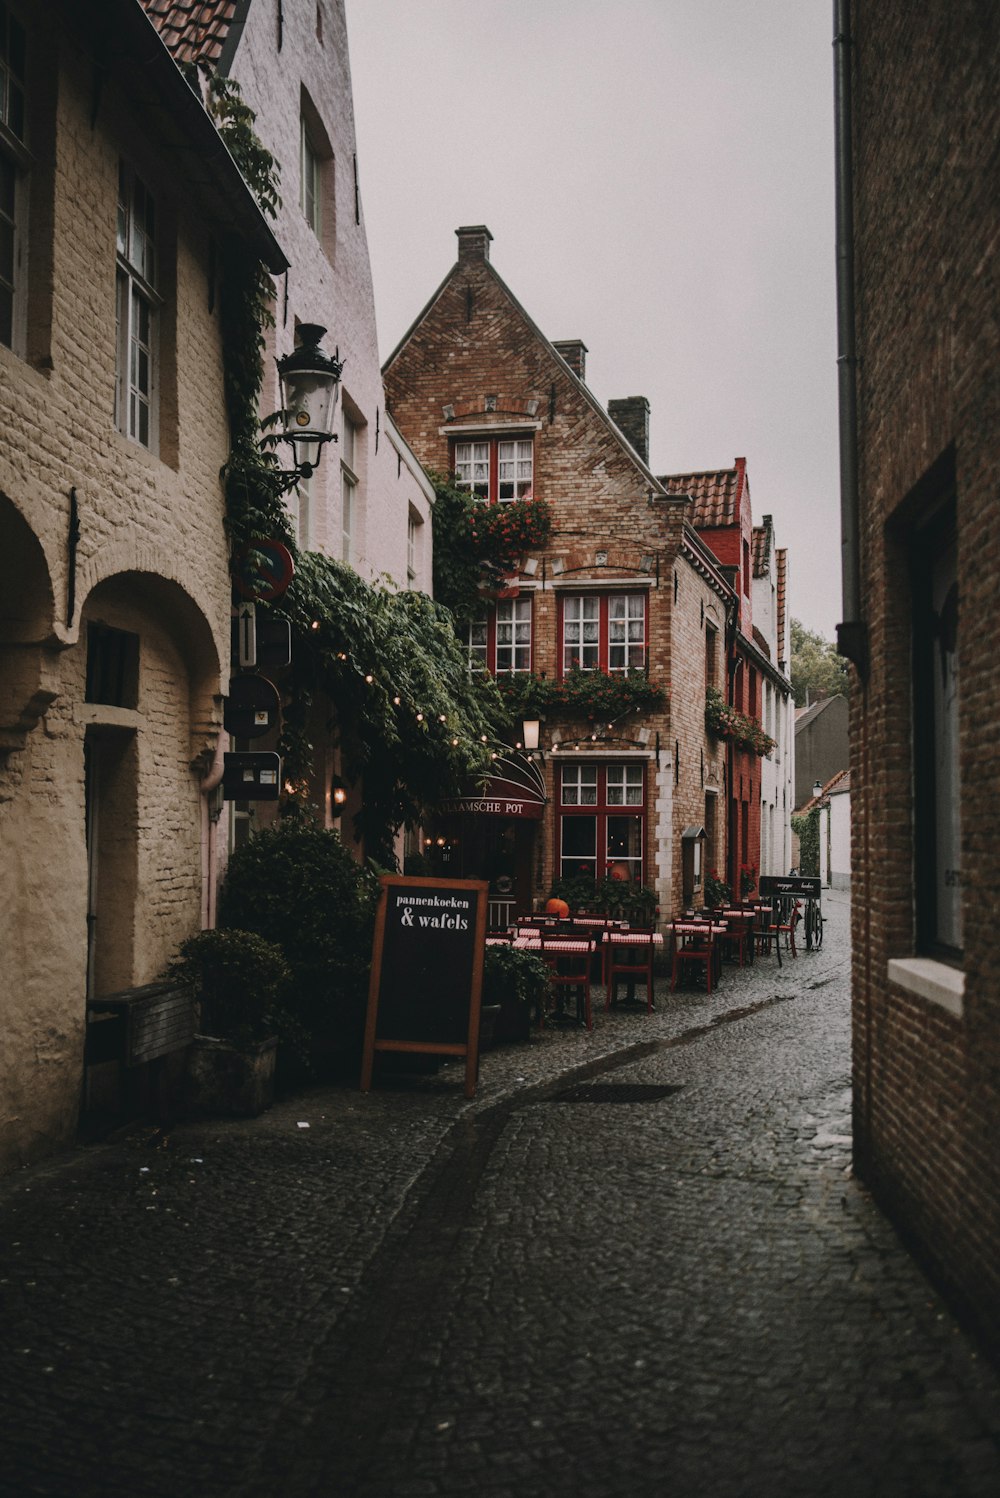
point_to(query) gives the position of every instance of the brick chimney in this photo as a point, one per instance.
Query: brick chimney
(473, 243)
(631, 416)
(574, 351)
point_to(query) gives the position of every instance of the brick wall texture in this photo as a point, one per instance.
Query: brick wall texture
(927, 1082)
(476, 352)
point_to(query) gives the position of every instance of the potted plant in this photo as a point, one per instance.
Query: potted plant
(517, 982)
(240, 982)
(717, 891)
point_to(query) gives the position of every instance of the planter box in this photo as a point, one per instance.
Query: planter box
(223, 1080)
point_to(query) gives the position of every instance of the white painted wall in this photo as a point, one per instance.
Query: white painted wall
(330, 283)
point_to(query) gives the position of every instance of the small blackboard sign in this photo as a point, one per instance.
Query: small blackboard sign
(799, 886)
(427, 971)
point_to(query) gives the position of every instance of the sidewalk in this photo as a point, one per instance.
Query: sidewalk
(664, 1280)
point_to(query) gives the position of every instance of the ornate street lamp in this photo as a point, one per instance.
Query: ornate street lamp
(309, 381)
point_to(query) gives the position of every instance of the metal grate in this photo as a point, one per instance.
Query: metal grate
(615, 1092)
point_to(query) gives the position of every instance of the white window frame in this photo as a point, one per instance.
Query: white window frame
(509, 618)
(487, 466)
(137, 306)
(348, 489)
(310, 179)
(589, 625)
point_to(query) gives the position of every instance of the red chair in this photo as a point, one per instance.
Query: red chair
(629, 959)
(693, 949)
(569, 970)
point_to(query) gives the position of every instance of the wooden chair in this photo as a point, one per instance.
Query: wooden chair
(741, 937)
(569, 970)
(629, 962)
(693, 949)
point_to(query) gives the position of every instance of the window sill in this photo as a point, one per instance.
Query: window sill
(934, 981)
(103, 715)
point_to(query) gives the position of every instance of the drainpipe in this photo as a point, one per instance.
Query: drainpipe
(852, 634)
(209, 828)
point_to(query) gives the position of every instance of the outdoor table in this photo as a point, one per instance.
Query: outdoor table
(618, 969)
(743, 925)
(698, 927)
(554, 947)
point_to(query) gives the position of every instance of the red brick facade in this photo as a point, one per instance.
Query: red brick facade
(474, 366)
(926, 121)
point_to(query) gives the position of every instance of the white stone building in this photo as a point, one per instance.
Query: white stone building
(772, 634)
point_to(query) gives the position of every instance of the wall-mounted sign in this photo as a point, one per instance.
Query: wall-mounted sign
(427, 971)
(252, 708)
(263, 570)
(251, 776)
(799, 886)
(260, 640)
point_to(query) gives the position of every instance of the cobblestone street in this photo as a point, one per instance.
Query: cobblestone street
(635, 1263)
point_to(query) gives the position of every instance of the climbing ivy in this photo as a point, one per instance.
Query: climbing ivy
(406, 715)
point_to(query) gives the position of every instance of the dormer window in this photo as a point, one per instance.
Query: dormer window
(496, 470)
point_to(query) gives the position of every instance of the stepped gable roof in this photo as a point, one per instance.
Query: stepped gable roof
(193, 30)
(716, 492)
(781, 567)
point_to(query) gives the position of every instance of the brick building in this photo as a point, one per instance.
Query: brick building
(757, 683)
(114, 630)
(624, 583)
(368, 502)
(918, 186)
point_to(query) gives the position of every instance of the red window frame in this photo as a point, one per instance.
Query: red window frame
(604, 631)
(488, 660)
(601, 809)
(493, 485)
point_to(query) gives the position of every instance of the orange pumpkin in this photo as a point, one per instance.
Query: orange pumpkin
(557, 907)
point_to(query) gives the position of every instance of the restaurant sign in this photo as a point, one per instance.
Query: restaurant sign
(494, 806)
(516, 788)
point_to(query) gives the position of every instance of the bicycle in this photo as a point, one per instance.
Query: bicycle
(813, 925)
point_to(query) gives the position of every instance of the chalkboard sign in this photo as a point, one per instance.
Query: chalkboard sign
(427, 971)
(799, 886)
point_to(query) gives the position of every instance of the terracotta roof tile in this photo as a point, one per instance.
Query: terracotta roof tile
(717, 493)
(193, 30)
(781, 568)
(763, 538)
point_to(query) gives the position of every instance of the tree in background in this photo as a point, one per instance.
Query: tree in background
(817, 670)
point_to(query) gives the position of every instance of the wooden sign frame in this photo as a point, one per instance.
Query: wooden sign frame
(421, 921)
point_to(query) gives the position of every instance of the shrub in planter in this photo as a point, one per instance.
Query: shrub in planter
(717, 891)
(518, 981)
(297, 885)
(240, 982)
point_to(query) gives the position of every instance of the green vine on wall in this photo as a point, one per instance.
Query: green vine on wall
(726, 723)
(581, 696)
(806, 829)
(477, 546)
(407, 716)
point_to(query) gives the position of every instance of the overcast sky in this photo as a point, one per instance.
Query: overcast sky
(658, 179)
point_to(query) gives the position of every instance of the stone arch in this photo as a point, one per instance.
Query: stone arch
(141, 590)
(28, 654)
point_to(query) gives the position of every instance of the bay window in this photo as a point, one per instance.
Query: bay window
(602, 821)
(604, 632)
(496, 470)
